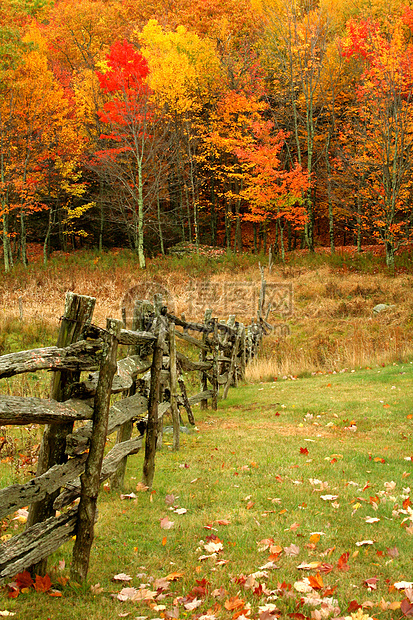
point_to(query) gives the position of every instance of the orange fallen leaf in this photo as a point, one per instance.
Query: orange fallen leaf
(316, 581)
(233, 603)
(164, 541)
(174, 576)
(314, 538)
(42, 584)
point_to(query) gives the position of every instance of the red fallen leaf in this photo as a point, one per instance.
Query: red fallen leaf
(330, 591)
(353, 606)
(406, 503)
(284, 587)
(333, 461)
(371, 583)
(393, 553)
(12, 591)
(326, 568)
(42, 584)
(316, 581)
(304, 451)
(278, 478)
(258, 590)
(24, 580)
(380, 554)
(223, 522)
(367, 485)
(241, 579)
(406, 607)
(212, 538)
(379, 459)
(250, 505)
(342, 561)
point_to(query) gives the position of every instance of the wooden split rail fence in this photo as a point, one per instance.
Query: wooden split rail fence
(72, 464)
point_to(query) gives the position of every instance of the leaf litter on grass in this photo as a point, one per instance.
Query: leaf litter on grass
(280, 544)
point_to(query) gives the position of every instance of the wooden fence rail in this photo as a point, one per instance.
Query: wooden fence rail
(150, 379)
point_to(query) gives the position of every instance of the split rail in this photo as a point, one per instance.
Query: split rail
(81, 413)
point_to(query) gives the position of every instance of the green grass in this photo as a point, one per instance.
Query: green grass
(253, 450)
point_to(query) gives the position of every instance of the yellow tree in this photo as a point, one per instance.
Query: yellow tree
(185, 76)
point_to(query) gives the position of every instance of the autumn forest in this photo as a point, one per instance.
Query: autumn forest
(233, 123)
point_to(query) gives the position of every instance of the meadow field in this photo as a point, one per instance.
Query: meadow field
(292, 500)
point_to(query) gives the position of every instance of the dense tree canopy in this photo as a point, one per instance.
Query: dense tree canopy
(226, 122)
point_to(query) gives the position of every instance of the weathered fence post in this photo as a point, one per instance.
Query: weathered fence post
(203, 357)
(125, 431)
(77, 314)
(152, 427)
(215, 365)
(232, 366)
(90, 479)
(174, 386)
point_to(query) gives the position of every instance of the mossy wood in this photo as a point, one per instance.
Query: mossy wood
(109, 465)
(83, 355)
(121, 411)
(77, 315)
(90, 479)
(34, 545)
(30, 410)
(18, 495)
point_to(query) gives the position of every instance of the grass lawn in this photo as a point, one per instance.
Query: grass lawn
(313, 472)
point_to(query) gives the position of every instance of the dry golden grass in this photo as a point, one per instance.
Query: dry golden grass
(332, 327)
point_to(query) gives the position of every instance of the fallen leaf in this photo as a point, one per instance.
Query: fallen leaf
(193, 604)
(128, 496)
(24, 580)
(328, 498)
(140, 487)
(96, 589)
(6, 613)
(174, 576)
(166, 524)
(372, 519)
(371, 583)
(42, 584)
(122, 577)
(292, 550)
(233, 603)
(316, 582)
(364, 542)
(309, 565)
(393, 553)
(21, 515)
(180, 511)
(127, 594)
(342, 561)
(406, 607)
(213, 547)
